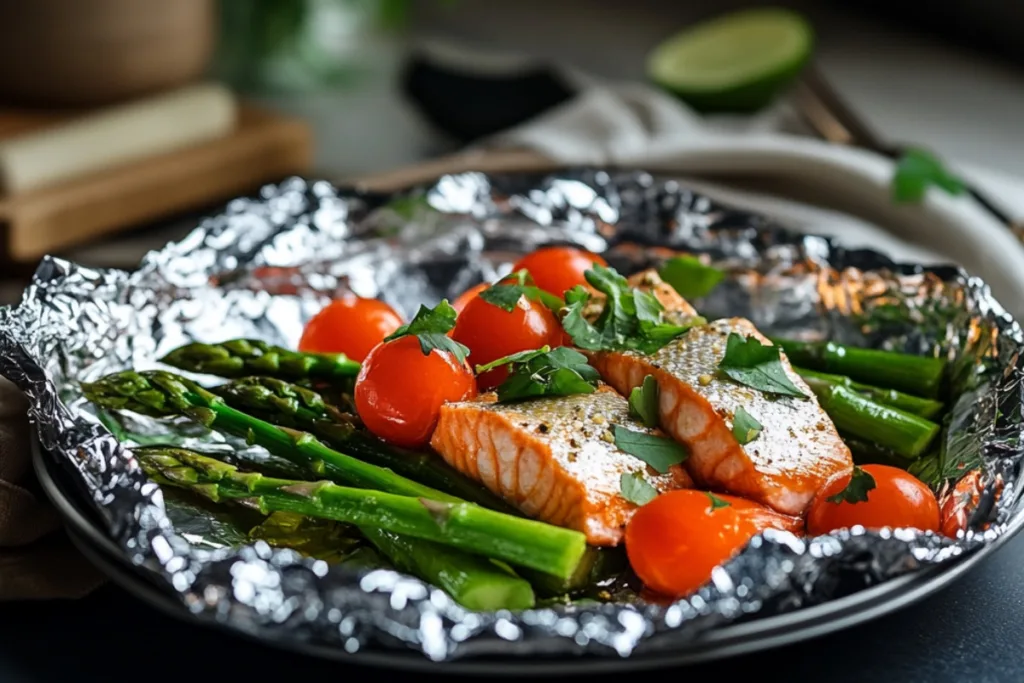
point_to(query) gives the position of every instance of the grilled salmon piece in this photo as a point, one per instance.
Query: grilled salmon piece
(554, 458)
(797, 449)
(678, 310)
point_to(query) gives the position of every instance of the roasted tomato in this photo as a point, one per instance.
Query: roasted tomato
(490, 333)
(675, 541)
(350, 325)
(557, 269)
(898, 500)
(400, 390)
(468, 295)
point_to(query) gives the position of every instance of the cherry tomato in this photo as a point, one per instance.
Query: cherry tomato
(491, 333)
(468, 295)
(675, 541)
(351, 325)
(899, 500)
(557, 269)
(399, 391)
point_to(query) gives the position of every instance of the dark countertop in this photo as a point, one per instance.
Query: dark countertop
(970, 631)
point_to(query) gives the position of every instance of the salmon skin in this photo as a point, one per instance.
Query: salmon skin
(797, 450)
(554, 458)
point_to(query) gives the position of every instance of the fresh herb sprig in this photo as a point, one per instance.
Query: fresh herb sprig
(744, 427)
(916, 171)
(643, 402)
(856, 491)
(631, 319)
(659, 452)
(431, 326)
(689, 276)
(756, 365)
(507, 293)
(636, 489)
(544, 372)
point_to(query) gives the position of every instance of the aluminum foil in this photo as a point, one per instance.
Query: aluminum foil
(266, 264)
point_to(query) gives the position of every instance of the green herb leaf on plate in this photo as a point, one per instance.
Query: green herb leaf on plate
(857, 490)
(630, 319)
(643, 402)
(544, 372)
(689, 276)
(716, 502)
(744, 427)
(506, 293)
(916, 170)
(636, 489)
(431, 326)
(657, 451)
(755, 365)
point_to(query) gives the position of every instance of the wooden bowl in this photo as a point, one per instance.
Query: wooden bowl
(77, 53)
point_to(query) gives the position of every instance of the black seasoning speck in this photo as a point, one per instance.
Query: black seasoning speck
(543, 428)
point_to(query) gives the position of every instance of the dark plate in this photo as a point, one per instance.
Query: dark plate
(743, 638)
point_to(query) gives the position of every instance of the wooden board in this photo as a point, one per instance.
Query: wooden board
(265, 147)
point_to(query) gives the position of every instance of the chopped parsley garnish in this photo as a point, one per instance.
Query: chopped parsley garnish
(716, 502)
(916, 170)
(657, 451)
(636, 489)
(744, 427)
(857, 490)
(506, 294)
(631, 319)
(643, 402)
(755, 365)
(431, 326)
(544, 372)
(690, 277)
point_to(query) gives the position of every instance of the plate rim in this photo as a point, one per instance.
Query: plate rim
(756, 635)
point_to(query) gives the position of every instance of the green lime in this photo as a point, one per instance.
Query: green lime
(736, 62)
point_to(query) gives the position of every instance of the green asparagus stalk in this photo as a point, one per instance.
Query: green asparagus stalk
(905, 434)
(465, 526)
(241, 357)
(916, 375)
(163, 394)
(820, 382)
(288, 405)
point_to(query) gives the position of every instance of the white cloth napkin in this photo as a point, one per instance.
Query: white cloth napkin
(843, 192)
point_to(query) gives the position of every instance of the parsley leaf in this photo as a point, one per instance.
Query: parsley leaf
(690, 277)
(544, 372)
(716, 502)
(431, 326)
(916, 170)
(744, 427)
(506, 294)
(857, 490)
(750, 362)
(636, 489)
(630, 320)
(657, 451)
(643, 402)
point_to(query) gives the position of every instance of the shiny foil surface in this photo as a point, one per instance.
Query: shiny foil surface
(266, 264)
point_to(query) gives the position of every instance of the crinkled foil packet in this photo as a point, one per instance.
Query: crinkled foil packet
(267, 263)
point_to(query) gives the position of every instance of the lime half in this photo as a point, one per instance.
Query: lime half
(736, 62)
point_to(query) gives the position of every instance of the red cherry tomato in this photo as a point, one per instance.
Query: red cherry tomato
(491, 333)
(351, 325)
(399, 391)
(675, 541)
(557, 269)
(468, 295)
(899, 500)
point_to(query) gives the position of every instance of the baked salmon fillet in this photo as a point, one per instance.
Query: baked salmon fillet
(554, 458)
(797, 449)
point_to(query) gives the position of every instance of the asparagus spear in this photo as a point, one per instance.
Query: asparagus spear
(911, 374)
(465, 526)
(820, 382)
(164, 394)
(240, 357)
(903, 433)
(288, 405)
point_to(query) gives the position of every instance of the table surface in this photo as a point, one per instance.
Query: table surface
(910, 87)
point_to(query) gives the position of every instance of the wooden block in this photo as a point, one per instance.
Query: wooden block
(265, 147)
